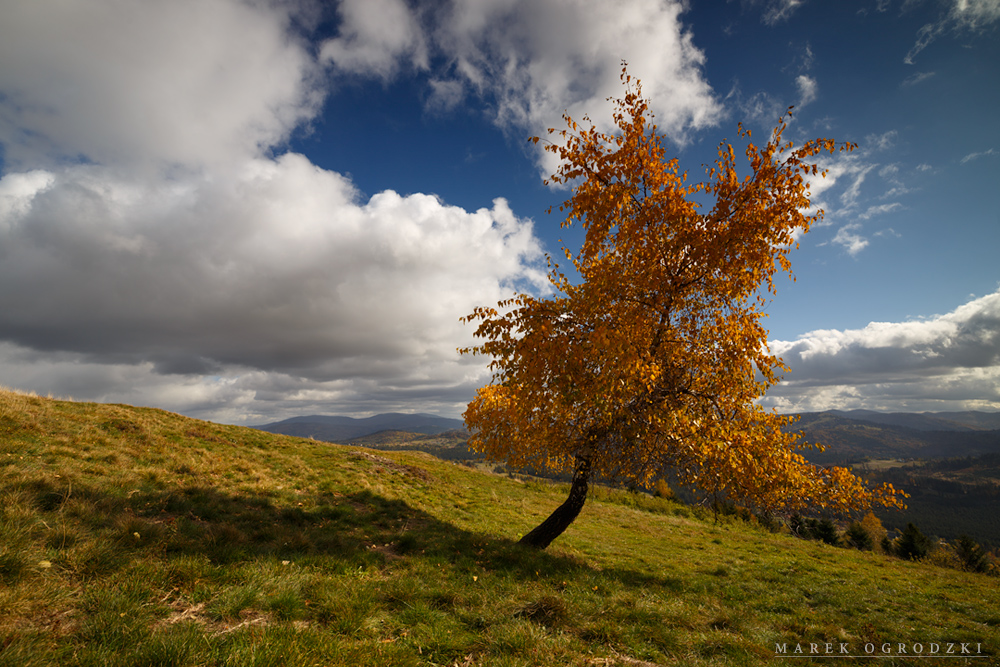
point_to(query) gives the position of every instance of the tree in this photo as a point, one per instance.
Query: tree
(912, 544)
(873, 526)
(970, 554)
(825, 530)
(651, 364)
(858, 537)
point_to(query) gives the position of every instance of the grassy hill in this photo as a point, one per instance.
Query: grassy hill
(132, 536)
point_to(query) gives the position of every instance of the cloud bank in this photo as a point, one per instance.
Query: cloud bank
(157, 247)
(947, 362)
(278, 269)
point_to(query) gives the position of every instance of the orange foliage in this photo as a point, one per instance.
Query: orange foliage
(652, 364)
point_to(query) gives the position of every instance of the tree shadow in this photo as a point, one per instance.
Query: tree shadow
(347, 530)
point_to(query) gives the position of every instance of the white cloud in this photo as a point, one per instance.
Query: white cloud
(275, 272)
(848, 172)
(532, 61)
(149, 84)
(763, 108)
(946, 362)
(538, 60)
(914, 79)
(881, 142)
(975, 14)
(857, 172)
(807, 89)
(889, 172)
(777, 11)
(880, 209)
(851, 241)
(976, 156)
(445, 95)
(374, 36)
(152, 250)
(962, 16)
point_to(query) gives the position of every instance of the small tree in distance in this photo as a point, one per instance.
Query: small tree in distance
(650, 366)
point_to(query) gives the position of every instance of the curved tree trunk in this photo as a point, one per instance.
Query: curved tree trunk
(564, 515)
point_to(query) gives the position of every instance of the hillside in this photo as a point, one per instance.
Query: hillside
(948, 498)
(856, 436)
(133, 536)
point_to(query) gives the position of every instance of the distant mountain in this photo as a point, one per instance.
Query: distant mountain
(862, 434)
(340, 429)
(928, 421)
(849, 436)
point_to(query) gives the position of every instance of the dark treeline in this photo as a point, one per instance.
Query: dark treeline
(948, 498)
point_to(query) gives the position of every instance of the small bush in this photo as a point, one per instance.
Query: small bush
(814, 529)
(662, 490)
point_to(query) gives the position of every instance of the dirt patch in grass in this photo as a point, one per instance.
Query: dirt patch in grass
(383, 464)
(183, 611)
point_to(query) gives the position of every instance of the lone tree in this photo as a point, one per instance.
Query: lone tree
(651, 365)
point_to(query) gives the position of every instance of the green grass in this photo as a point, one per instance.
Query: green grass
(133, 536)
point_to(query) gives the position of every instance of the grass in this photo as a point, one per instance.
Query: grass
(132, 536)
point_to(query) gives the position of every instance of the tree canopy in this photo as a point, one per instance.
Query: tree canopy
(652, 363)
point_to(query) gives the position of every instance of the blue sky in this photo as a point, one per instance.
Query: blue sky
(245, 211)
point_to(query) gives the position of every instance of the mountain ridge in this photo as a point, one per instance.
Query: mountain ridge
(337, 428)
(969, 420)
(890, 433)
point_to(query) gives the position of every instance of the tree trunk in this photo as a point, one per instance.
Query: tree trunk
(564, 515)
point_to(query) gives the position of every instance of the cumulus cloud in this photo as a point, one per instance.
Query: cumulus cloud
(157, 247)
(946, 362)
(375, 35)
(540, 59)
(278, 269)
(149, 84)
(532, 61)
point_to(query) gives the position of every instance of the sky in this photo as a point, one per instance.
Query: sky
(248, 210)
